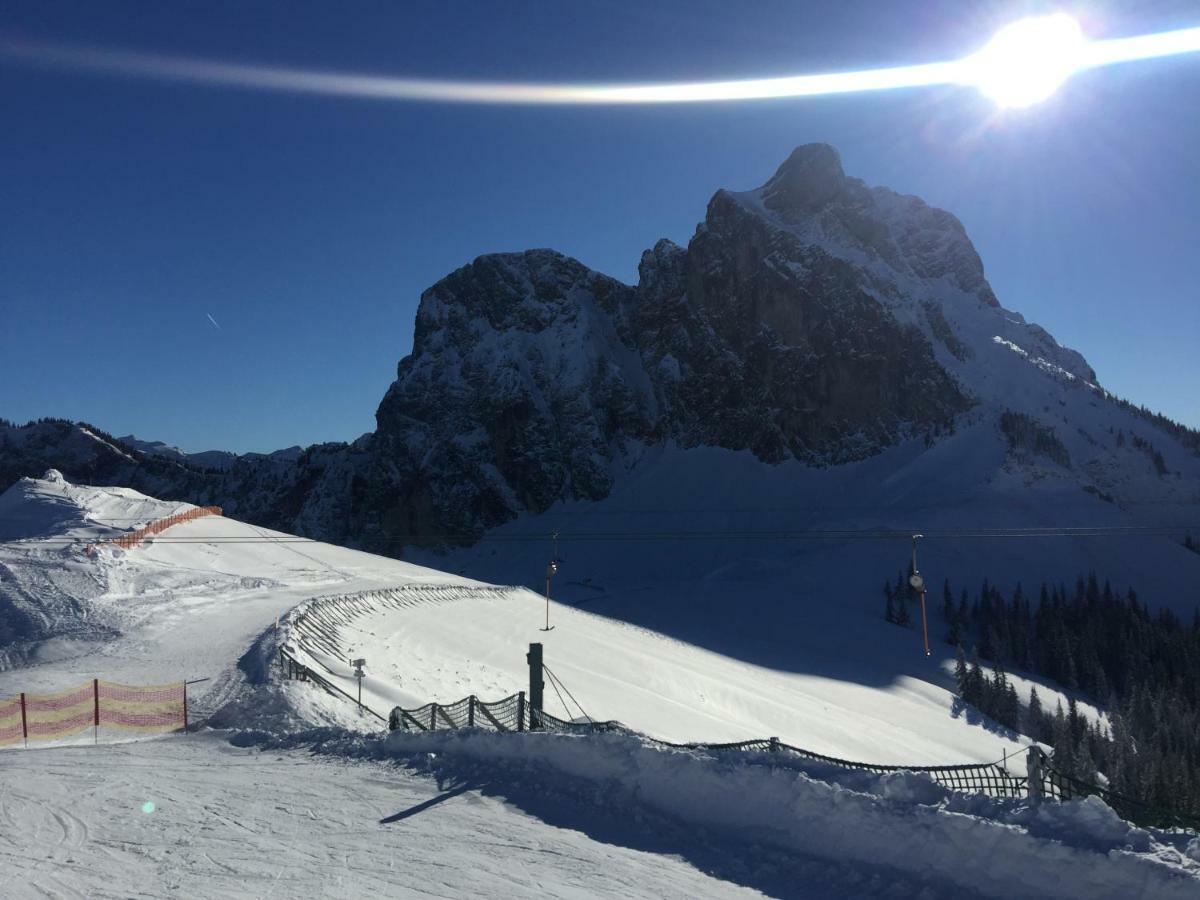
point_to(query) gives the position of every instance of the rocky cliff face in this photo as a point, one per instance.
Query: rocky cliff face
(814, 319)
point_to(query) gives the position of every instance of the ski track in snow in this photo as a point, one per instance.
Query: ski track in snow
(237, 823)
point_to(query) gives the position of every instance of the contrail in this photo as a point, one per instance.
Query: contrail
(1091, 54)
(214, 321)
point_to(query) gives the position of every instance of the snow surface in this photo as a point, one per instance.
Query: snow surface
(310, 799)
(443, 651)
(167, 610)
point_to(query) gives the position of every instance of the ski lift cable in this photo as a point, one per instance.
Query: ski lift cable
(675, 536)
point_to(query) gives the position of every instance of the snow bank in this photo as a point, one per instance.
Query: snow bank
(902, 822)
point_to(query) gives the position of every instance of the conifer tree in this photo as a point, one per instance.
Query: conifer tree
(1034, 717)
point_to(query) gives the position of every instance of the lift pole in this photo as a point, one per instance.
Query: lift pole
(551, 569)
(918, 584)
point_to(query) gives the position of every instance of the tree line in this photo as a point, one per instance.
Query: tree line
(1141, 668)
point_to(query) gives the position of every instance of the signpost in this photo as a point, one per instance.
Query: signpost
(358, 673)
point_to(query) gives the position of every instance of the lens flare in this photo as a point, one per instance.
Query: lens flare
(1028, 60)
(1024, 63)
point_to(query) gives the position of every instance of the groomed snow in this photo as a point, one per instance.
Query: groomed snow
(295, 807)
(443, 651)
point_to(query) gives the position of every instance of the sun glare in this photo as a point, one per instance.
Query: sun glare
(1028, 60)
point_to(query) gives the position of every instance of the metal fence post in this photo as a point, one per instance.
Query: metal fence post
(433, 717)
(471, 711)
(24, 724)
(521, 711)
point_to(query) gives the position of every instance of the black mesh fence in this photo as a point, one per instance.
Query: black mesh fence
(513, 713)
(509, 714)
(1061, 786)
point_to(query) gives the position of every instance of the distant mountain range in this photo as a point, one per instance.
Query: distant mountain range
(813, 320)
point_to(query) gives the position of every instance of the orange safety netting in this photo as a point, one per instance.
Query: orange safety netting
(58, 715)
(11, 729)
(157, 527)
(32, 717)
(141, 708)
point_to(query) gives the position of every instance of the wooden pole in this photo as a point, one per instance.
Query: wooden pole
(96, 703)
(1033, 769)
(536, 686)
(24, 724)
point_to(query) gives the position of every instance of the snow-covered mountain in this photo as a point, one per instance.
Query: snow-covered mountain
(814, 323)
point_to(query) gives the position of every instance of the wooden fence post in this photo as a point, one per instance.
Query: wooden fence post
(536, 684)
(96, 702)
(24, 724)
(1033, 767)
(471, 711)
(185, 721)
(521, 711)
(433, 717)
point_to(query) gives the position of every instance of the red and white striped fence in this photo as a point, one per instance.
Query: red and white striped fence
(98, 704)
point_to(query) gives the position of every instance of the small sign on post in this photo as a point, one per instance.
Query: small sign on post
(358, 673)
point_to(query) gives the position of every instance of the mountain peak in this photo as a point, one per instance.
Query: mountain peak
(809, 178)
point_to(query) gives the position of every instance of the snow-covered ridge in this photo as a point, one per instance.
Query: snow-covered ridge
(813, 319)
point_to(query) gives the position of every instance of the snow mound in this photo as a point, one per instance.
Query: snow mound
(999, 849)
(53, 507)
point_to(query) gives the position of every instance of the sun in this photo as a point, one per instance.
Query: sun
(1028, 60)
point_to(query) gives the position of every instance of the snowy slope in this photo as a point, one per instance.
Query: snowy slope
(336, 811)
(231, 823)
(186, 605)
(444, 649)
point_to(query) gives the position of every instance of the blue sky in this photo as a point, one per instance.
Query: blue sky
(132, 210)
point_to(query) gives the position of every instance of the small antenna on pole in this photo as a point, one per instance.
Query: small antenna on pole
(917, 583)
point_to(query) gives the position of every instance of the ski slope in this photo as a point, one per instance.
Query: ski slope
(187, 605)
(475, 642)
(290, 791)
